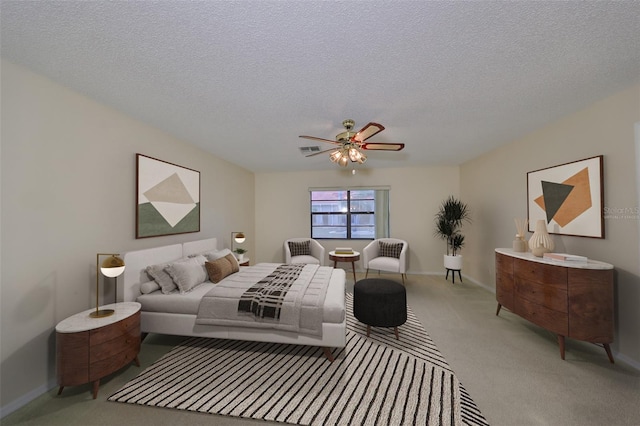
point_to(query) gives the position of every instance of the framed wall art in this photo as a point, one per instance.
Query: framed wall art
(568, 197)
(167, 198)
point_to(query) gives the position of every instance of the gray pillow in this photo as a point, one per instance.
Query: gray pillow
(189, 273)
(164, 280)
(149, 287)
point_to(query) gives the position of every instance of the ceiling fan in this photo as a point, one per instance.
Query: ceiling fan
(349, 145)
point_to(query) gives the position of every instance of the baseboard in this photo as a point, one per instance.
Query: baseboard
(617, 356)
(491, 289)
(26, 398)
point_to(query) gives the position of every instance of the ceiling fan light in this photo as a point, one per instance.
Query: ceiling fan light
(362, 158)
(343, 161)
(354, 154)
(335, 156)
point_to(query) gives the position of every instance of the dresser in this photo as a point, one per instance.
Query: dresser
(570, 299)
(88, 349)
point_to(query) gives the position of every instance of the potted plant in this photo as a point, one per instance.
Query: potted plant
(449, 219)
(240, 253)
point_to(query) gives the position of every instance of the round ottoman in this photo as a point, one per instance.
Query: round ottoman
(380, 303)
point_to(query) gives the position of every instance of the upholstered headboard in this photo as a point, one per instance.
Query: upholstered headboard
(200, 246)
(137, 261)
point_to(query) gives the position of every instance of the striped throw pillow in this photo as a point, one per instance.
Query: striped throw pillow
(300, 248)
(389, 249)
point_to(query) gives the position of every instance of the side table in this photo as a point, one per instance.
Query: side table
(88, 349)
(352, 258)
(244, 262)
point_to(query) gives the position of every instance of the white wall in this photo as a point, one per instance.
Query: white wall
(283, 209)
(495, 186)
(68, 192)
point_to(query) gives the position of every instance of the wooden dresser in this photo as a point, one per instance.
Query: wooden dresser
(88, 349)
(569, 299)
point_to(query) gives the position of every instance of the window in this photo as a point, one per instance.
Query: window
(349, 214)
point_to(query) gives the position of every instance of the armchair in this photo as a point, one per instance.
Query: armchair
(303, 250)
(386, 254)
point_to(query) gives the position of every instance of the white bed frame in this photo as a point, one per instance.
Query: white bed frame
(333, 335)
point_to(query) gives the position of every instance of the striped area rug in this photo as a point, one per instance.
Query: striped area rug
(376, 380)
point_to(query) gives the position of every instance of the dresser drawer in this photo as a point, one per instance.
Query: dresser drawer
(537, 272)
(547, 295)
(554, 321)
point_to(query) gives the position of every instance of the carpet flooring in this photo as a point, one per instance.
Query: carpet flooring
(376, 380)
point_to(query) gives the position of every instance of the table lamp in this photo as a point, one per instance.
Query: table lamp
(112, 267)
(239, 238)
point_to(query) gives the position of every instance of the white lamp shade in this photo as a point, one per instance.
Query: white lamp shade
(112, 266)
(112, 272)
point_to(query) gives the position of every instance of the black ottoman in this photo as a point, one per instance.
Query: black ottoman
(380, 303)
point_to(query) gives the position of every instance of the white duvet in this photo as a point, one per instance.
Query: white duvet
(302, 309)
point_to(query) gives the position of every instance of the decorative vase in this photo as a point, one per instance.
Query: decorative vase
(519, 244)
(240, 257)
(541, 242)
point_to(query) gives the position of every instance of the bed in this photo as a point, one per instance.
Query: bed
(176, 314)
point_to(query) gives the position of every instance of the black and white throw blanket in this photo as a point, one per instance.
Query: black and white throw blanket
(289, 298)
(265, 298)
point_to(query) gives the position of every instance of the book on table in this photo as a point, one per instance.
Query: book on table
(565, 257)
(343, 250)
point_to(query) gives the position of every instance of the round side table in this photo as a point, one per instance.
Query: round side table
(351, 258)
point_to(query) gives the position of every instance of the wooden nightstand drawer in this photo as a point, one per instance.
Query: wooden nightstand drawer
(104, 334)
(91, 348)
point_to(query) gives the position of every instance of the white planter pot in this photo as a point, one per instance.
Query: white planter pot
(240, 257)
(453, 262)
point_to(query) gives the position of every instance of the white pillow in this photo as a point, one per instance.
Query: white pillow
(189, 273)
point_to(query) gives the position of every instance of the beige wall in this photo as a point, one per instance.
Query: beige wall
(282, 209)
(495, 186)
(68, 192)
(68, 180)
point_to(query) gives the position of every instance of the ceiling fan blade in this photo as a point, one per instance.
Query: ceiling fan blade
(367, 131)
(321, 152)
(313, 138)
(383, 146)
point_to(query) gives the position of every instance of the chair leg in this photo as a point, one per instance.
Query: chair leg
(402, 278)
(367, 274)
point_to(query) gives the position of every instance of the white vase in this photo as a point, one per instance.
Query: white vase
(541, 242)
(453, 262)
(240, 257)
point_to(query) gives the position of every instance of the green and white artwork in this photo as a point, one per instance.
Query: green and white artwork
(168, 198)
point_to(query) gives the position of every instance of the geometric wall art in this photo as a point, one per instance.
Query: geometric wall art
(568, 197)
(167, 198)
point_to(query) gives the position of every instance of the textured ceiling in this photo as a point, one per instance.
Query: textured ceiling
(242, 80)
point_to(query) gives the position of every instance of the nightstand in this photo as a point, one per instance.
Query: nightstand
(244, 262)
(88, 349)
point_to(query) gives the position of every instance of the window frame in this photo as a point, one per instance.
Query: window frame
(348, 215)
